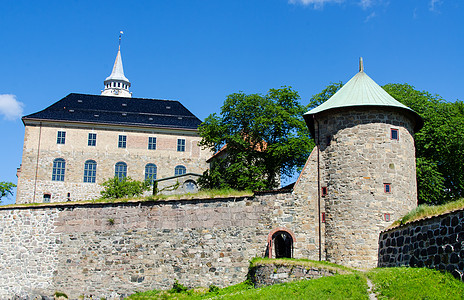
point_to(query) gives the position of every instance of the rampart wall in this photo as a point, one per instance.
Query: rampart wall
(114, 249)
(436, 242)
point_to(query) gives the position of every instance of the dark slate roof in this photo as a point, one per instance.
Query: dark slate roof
(119, 111)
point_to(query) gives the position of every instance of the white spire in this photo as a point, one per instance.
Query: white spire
(117, 84)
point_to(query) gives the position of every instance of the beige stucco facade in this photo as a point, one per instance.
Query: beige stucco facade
(41, 149)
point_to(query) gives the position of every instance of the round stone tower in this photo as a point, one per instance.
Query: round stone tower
(367, 169)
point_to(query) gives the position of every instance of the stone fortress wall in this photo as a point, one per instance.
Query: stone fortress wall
(110, 250)
(35, 176)
(357, 158)
(436, 242)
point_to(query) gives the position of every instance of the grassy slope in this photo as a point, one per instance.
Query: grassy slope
(415, 283)
(390, 283)
(424, 211)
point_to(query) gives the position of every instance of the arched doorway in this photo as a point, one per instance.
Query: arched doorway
(280, 243)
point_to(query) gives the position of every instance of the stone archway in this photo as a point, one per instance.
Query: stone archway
(280, 243)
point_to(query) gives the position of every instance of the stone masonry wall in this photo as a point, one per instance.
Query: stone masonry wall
(436, 242)
(357, 158)
(269, 274)
(111, 250)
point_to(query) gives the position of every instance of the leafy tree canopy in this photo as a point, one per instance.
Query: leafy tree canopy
(265, 137)
(6, 189)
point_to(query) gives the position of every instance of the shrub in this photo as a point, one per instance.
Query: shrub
(60, 295)
(127, 187)
(178, 287)
(213, 289)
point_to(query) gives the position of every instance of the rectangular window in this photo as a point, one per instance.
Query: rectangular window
(151, 143)
(181, 145)
(323, 217)
(387, 187)
(61, 137)
(92, 141)
(122, 141)
(324, 191)
(395, 135)
(46, 198)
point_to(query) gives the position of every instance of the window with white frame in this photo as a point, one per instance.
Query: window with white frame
(122, 141)
(59, 166)
(92, 141)
(61, 137)
(120, 170)
(150, 173)
(181, 145)
(180, 170)
(151, 143)
(90, 171)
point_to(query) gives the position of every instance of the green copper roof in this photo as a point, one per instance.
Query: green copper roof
(360, 91)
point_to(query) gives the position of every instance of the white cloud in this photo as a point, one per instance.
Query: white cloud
(433, 4)
(10, 108)
(372, 15)
(365, 3)
(317, 4)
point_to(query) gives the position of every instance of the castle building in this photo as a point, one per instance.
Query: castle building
(366, 169)
(77, 143)
(358, 179)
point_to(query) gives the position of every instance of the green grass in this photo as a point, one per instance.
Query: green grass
(351, 286)
(202, 194)
(389, 283)
(415, 283)
(424, 211)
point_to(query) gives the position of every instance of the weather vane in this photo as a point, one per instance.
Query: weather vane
(120, 35)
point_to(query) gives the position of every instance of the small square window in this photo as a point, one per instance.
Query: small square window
(92, 141)
(151, 143)
(386, 217)
(61, 137)
(180, 145)
(387, 187)
(395, 135)
(46, 198)
(122, 141)
(324, 191)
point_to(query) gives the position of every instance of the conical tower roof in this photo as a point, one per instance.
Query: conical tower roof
(118, 70)
(117, 84)
(361, 91)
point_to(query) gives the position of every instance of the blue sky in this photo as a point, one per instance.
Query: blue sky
(199, 51)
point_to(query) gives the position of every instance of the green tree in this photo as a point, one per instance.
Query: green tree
(265, 137)
(325, 95)
(6, 189)
(121, 188)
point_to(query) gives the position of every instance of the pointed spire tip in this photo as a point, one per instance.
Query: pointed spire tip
(361, 66)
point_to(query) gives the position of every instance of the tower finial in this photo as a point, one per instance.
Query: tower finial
(117, 84)
(120, 35)
(361, 66)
